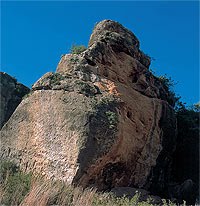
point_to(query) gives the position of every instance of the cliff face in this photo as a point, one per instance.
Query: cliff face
(101, 120)
(11, 93)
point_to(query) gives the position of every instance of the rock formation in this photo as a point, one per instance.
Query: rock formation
(11, 93)
(103, 119)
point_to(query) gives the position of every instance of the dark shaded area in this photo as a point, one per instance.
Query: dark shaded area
(99, 135)
(90, 62)
(160, 174)
(186, 157)
(11, 93)
(176, 174)
(113, 170)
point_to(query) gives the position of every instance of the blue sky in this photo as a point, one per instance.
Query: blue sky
(35, 34)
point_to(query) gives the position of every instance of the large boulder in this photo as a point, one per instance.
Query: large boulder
(103, 119)
(11, 93)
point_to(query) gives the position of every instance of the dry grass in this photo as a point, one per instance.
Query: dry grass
(17, 188)
(1, 194)
(56, 193)
(49, 192)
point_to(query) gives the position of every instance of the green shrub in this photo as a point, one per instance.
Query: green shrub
(16, 188)
(15, 184)
(167, 82)
(56, 78)
(112, 119)
(77, 49)
(85, 88)
(7, 168)
(74, 60)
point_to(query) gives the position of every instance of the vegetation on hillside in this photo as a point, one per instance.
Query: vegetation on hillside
(77, 49)
(14, 184)
(18, 188)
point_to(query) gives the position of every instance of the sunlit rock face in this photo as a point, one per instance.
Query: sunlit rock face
(102, 120)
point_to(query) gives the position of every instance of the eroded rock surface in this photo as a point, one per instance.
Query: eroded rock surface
(103, 119)
(11, 93)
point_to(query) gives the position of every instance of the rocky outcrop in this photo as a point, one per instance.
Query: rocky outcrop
(11, 93)
(103, 119)
(114, 55)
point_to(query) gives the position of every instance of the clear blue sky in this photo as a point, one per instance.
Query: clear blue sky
(35, 34)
